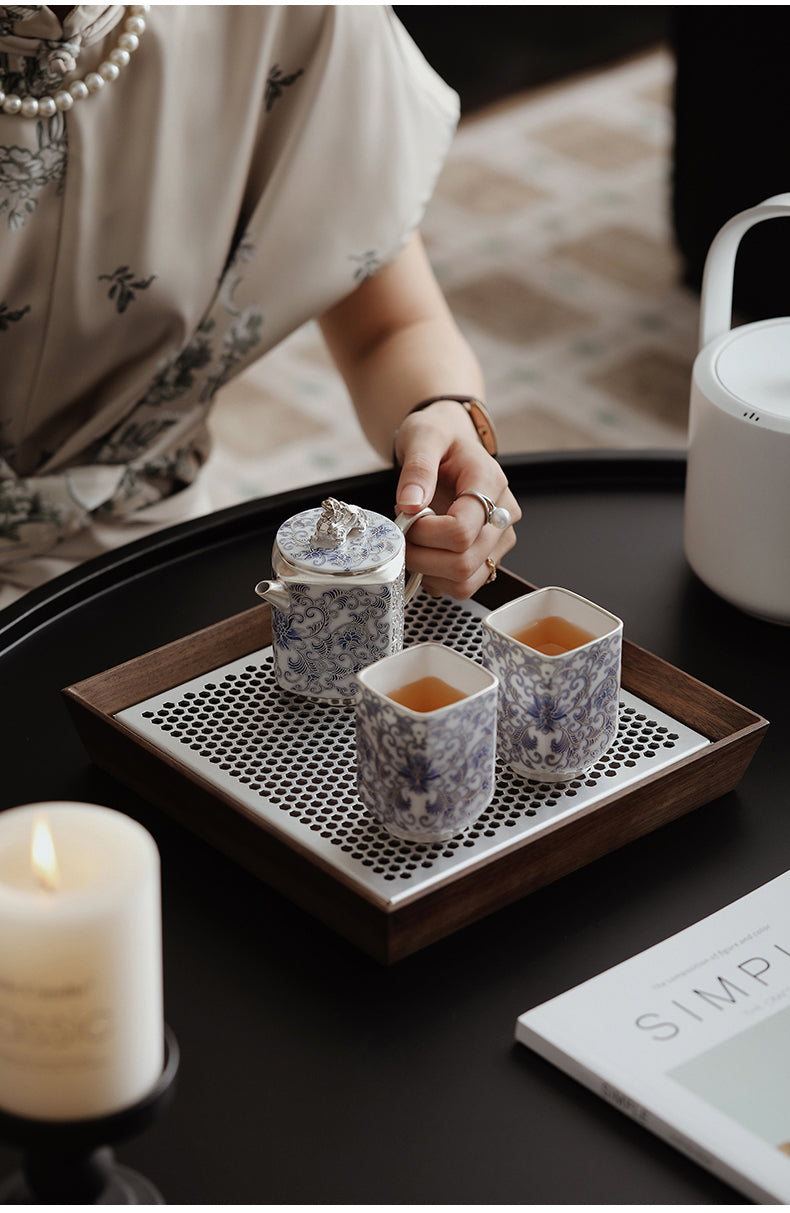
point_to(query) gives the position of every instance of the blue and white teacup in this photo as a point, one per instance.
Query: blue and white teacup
(558, 711)
(426, 775)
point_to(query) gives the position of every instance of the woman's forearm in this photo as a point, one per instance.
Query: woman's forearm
(396, 343)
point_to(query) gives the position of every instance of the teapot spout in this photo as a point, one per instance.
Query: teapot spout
(275, 593)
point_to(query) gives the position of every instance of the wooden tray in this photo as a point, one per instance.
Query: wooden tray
(529, 843)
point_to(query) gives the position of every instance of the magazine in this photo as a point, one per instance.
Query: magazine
(691, 1038)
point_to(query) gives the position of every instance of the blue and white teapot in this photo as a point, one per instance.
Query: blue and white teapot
(338, 596)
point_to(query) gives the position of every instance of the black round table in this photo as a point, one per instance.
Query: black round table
(309, 1072)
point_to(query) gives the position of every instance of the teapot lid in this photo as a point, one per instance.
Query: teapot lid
(339, 538)
(753, 365)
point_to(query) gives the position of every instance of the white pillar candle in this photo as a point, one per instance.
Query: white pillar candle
(81, 1021)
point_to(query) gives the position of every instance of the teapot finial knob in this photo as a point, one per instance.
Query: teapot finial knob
(337, 521)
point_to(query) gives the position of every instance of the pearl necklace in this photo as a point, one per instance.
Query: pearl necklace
(94, 82)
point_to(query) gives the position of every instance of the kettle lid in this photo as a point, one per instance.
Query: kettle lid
(337, 538)
(753, 364)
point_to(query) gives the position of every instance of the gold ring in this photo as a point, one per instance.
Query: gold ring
(492, 574)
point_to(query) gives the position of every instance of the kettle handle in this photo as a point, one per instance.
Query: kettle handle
(717, 278)
(404, 521)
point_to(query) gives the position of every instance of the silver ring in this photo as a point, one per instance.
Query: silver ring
(497, 515)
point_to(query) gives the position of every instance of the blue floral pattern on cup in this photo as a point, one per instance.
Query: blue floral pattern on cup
(556, 719)
(426, 781)
(327, 635)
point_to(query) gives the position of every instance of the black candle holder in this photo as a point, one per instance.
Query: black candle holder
(71, 1161)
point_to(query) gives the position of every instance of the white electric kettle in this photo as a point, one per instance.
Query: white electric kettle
(737, 507)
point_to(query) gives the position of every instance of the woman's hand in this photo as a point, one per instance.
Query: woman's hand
(441, 457)
(395, 343)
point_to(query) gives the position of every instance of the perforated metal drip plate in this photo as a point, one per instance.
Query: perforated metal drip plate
(292, 763)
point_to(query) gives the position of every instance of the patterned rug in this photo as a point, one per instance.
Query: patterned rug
(550, 234)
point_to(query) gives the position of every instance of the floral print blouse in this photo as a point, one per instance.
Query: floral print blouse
(246, 170)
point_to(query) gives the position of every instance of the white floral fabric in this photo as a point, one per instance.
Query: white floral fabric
(249, 167)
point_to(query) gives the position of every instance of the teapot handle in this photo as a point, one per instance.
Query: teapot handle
(404, 521)
(717, 278)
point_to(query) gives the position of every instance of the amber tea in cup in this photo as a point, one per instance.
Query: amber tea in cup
(552, 635)
(426, 694)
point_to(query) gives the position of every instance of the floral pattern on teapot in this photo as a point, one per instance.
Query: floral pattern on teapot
(328, 634)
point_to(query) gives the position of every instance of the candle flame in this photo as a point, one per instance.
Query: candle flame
(43, 859)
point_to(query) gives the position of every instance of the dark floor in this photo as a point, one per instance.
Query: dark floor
(732, 107)
(732, 101)
(488, 51)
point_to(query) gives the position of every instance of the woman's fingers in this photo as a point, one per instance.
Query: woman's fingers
(451, 551)
(444, 465)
